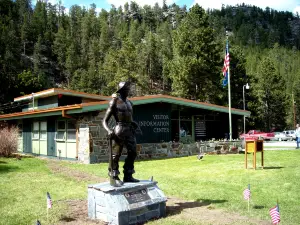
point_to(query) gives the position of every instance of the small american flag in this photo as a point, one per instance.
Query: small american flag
(274, 213)
(38, 222)
(247, 193)
(49, 201)
(226, 64)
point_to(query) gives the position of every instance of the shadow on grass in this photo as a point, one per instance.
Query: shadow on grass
(3, 162)
(67, 219)
(178, 207)
(273, 168)
(7, 168)
(154, 159)
(258, 207)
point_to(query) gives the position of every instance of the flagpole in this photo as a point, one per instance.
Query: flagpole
(249, 197)
(249, 205)
(277, 209)
(229, 95)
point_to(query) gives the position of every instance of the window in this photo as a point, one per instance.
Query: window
(61, 125)
(60, 135)
(71, 132)
(66, 130)
(35, 130)
(185, 128)
(20, 130)
(43, 130)
(61, 130)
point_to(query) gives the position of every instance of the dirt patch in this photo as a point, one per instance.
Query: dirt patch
(177, 210)
(181, 210)
(77, 214)
(56, 167)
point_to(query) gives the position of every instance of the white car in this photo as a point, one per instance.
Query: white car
(290, 133)
(281, 136)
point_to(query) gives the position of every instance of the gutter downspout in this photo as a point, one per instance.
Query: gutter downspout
(33, 101)
(77, 142)
(65, 115)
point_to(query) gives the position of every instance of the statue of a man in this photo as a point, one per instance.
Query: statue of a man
(123, 134)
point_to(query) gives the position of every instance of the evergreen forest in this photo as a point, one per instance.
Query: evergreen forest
(162, 49)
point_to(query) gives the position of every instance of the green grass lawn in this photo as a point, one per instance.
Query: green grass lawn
(23, 187)
(217, 179)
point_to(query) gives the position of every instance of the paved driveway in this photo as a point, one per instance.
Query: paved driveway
(279, 145)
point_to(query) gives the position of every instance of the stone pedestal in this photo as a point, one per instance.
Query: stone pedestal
(133, 203)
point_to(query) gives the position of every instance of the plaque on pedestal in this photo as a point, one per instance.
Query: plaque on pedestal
(133, 203)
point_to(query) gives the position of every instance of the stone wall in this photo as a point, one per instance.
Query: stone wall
(98, 144)
(164, 150)
(220, 147)
(98, 147)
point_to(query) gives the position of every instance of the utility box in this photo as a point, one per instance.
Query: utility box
(253, 146)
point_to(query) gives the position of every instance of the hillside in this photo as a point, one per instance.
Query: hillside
(168, 49)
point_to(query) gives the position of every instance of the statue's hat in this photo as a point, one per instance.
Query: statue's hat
(123, 85)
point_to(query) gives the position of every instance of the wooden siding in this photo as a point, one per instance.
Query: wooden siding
(71, 150)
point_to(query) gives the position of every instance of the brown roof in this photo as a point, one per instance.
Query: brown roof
(56, 91)
(91, 104)
(181, 99)
(38, 111)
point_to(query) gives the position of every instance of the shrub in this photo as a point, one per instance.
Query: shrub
(8, 141)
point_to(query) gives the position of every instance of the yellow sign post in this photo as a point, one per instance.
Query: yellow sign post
(254, 146)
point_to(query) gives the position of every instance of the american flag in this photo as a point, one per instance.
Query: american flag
(226, 64)
(274, 213)
(247, 193)
(38, 222)
(49, 201)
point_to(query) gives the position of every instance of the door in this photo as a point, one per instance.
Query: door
(39, 137)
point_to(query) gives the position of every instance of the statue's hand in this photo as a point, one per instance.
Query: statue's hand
(110, 133)
(136, 128)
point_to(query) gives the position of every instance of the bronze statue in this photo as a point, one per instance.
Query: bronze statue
(123, 134)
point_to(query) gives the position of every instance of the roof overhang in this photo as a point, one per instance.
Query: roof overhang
(88, 107)
(188, 103)
(98, 106)
(58, 91)
(63, 110)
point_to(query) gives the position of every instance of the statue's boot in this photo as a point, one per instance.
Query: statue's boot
(129, 178)
(115, 181)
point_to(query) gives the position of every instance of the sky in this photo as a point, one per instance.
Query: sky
(280, 5)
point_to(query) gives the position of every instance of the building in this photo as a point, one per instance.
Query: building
(68, 124)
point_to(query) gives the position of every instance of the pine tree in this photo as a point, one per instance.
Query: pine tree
(121, 65)
(195, 67)
(38, 69)
(39, 20)
(269, 90)
(150, 63)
